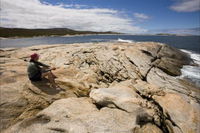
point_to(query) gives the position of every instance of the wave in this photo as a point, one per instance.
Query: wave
(190, 72)
(194, 56)
(112, 40)
(122, 40)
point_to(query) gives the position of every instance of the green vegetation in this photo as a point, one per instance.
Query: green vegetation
(18, 32)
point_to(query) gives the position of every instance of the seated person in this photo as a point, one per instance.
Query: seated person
(37, 70)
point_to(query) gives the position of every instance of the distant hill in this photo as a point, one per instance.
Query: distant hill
(165, 34)
(184, 31)
(19, 32)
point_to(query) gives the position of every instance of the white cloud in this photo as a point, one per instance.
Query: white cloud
(34, 14)
(186, 6)
(141, 16)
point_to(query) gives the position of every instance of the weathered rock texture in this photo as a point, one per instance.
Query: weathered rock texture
(106, 88)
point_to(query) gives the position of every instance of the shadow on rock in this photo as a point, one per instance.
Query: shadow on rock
(45, 87)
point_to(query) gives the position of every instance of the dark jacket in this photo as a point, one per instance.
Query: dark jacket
(35, 70)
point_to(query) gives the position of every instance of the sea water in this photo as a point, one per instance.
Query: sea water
(182, 42)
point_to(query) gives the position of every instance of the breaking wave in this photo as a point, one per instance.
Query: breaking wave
(192, 72)
(122, 40)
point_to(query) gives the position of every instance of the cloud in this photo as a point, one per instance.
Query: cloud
(35, 14)
(141, 16)
(186, 6)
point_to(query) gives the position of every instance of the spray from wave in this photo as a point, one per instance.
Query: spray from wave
(126, 41)
(189, 72)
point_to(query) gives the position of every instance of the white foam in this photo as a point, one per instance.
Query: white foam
(194, 56)
(192, 71)
(122, 40)
(189, 72)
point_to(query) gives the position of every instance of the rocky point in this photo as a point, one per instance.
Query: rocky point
(106, 88)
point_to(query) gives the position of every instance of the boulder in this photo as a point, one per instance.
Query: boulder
(169, 83)
(76, 115)
(121, 96)
(173, 53)
(170, 66)
(171, 60)
(183, 111)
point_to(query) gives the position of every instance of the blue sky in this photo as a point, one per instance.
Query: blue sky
(161, 16)
(130, 16)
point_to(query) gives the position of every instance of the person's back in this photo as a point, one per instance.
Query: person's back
(34, 71)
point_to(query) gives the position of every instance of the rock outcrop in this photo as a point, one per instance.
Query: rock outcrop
(106, 88)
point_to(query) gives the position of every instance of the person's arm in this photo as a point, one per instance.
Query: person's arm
(44, 65)
(49, 69)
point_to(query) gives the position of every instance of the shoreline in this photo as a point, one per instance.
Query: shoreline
(68, 35)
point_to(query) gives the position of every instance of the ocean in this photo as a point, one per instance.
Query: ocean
(188, 44)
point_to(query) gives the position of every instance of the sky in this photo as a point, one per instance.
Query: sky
(126, 16)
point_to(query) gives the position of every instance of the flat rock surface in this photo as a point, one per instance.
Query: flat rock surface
(106, 88)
